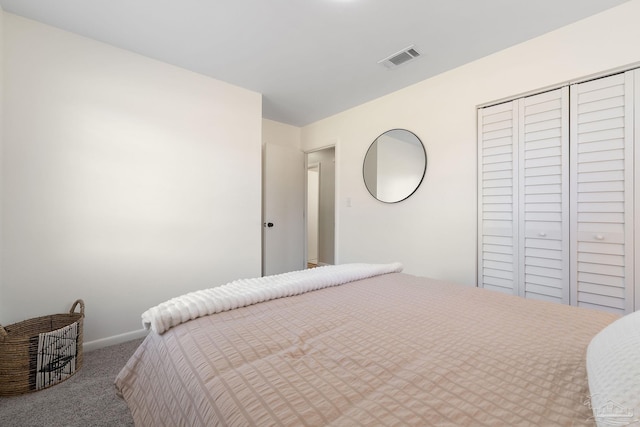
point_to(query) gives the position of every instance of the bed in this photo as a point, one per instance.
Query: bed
(390, 349)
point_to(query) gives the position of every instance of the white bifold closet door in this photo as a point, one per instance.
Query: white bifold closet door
(498, 197)
(544, 196)
(602, 121)
(556, 195)
(523, 244)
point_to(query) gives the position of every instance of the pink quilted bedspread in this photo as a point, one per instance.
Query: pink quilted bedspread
(389, 350)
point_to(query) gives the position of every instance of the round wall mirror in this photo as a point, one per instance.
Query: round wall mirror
(394, 165)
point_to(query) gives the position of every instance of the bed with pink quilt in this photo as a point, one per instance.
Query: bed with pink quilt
(378, 350)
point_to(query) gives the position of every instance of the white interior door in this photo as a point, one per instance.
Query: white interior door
(283, 209)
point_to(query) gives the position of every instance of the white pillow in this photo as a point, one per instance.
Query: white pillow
(613, 368)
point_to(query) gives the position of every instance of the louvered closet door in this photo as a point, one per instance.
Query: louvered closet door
(498, 198)
(602, 193)
(544, 196)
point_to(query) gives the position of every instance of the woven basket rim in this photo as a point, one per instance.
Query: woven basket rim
(7, 335)
(37, 329)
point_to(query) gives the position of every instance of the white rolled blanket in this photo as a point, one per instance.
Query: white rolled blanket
(243, 292)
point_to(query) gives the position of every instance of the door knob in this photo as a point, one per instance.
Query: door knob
(268, 224)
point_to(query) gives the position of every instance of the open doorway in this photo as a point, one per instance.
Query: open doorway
(313, 213)
(320, 207)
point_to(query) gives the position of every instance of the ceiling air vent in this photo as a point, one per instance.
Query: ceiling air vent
(399, 58)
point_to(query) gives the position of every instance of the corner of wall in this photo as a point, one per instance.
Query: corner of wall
(281, 134)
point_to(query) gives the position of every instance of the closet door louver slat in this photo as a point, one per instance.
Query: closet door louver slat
(602, 188)
(544, 196)
(497, 198)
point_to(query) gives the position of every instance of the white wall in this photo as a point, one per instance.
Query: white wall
(127, 181)
(434, 231)
(1, 148)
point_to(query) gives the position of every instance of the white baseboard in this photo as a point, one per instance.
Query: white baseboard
(116, 339)
(320, 264)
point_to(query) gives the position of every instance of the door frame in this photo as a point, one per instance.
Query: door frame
(336, 203)
(312, 166)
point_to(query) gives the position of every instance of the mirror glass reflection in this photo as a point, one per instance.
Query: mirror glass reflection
(394, 165)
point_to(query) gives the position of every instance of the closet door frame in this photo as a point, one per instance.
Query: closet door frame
(630, 189)
(636, 180)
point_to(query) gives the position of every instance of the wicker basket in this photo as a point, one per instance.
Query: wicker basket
(40, 352)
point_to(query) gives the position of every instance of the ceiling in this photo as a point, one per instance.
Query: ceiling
(310, 58)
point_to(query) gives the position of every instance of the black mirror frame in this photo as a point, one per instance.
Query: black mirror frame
(424, 170)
